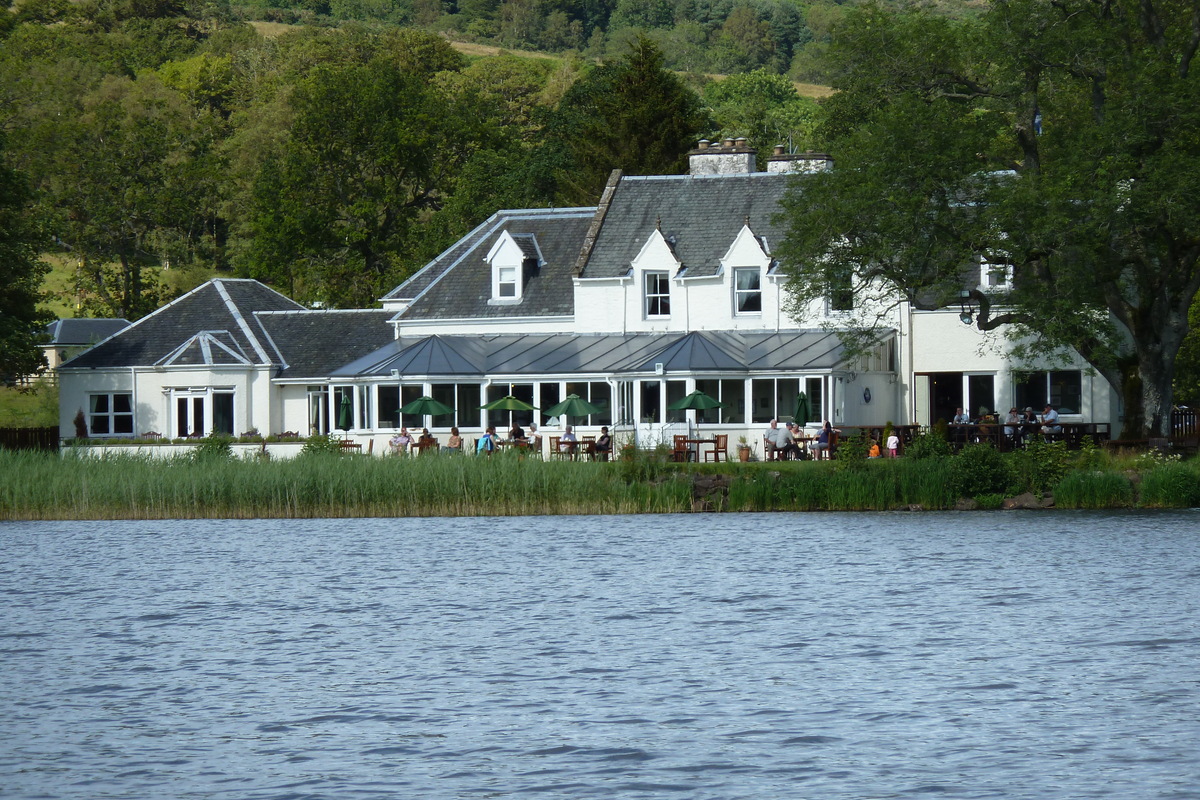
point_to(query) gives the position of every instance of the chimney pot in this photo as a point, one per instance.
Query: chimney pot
(728, 142)
(740, 141)
(702, 144)
(778, 149)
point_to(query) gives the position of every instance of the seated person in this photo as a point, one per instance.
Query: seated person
(1012, 426)
(603, 444)
(400, 442)
(517, 434)
(874, 451)
(824, 443)
(454, 443)
(535, 438)
(1050, 426)
(487, 443)
(426, 440)
(786, 446)
(771, 440)
(567, 443)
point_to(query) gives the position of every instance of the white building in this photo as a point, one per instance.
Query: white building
(669, 285)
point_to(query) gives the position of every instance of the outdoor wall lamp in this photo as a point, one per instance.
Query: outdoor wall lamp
(968, 313)
(867, 394)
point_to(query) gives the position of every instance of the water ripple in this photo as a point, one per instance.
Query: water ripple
(839, 656)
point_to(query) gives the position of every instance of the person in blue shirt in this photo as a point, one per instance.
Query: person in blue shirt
(487, 443)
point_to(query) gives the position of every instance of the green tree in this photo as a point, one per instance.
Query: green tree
(765, 108)
(126, 184)
(633, 115)
(373, 151)
(1058, 139)
(21, 275)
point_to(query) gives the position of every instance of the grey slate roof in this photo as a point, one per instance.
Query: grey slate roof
(458, 283)
(71, 332)
(702, 212)
(613, 354)
(312, 344)
(223, 305)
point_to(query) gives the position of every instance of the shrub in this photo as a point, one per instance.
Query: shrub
(1040, 465)
(213, 448)
(320, 444)
(852, 452)
(980, 469)
(929, 445)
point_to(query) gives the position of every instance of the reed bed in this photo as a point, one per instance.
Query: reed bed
(70, 485)
(1094, 489)
(41, 486)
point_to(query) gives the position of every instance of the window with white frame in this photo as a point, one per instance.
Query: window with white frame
(1061, 389)
(202, 411)
(994, 276)
(841, 288)
(110, 414)
(658, 294)
(747, 290)
(506, 282)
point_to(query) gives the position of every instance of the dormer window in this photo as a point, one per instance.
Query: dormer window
(658, 293)
(506, 282)
(514, 259)
(994, 276)
(747, 290)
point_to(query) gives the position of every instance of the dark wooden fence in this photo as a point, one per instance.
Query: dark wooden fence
(29, 438)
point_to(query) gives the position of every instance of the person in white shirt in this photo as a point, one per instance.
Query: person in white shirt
(1050, 426)
(772, 440)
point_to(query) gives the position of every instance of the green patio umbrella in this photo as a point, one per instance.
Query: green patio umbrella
(426, 405)
(697, 400)
(573, 406)
(803, 409)
(508, 403)
(345, 412)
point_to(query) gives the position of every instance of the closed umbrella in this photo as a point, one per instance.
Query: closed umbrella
(803, 409)
(573, 406)
(426, 405)
(697, 400)
(345, 412)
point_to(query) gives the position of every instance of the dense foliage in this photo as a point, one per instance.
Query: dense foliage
(1052, 146)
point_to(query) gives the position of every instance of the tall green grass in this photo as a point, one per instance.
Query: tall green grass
(1094, 489)
(82, 485)
(47, 486)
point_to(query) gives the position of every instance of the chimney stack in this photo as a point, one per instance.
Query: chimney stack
(808, 161)
(731, 157)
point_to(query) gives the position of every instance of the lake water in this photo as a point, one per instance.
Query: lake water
(971, 655)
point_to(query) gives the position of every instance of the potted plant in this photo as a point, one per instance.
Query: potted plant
(743, 449)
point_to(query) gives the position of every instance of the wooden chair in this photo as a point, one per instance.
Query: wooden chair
(556, 451)
(720, 449)
(428, 446)
(587, 448)
(679, 451)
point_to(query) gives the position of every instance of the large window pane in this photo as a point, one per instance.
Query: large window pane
(747, 290)
(676, 391)
(222, 412)
(408, 393)
(651, 403)
(733, 395)
(712, 388)
(389, 406)
(1066, 391)
(551, 395)
(762, 394)
(444, 393)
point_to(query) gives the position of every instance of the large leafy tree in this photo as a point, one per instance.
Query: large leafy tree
(21, 277)
(1059, 139)
(373, 151)
(632, 114)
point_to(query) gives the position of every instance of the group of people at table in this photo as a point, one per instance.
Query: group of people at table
(790, 441)
(568, 444)
(1016, 424)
